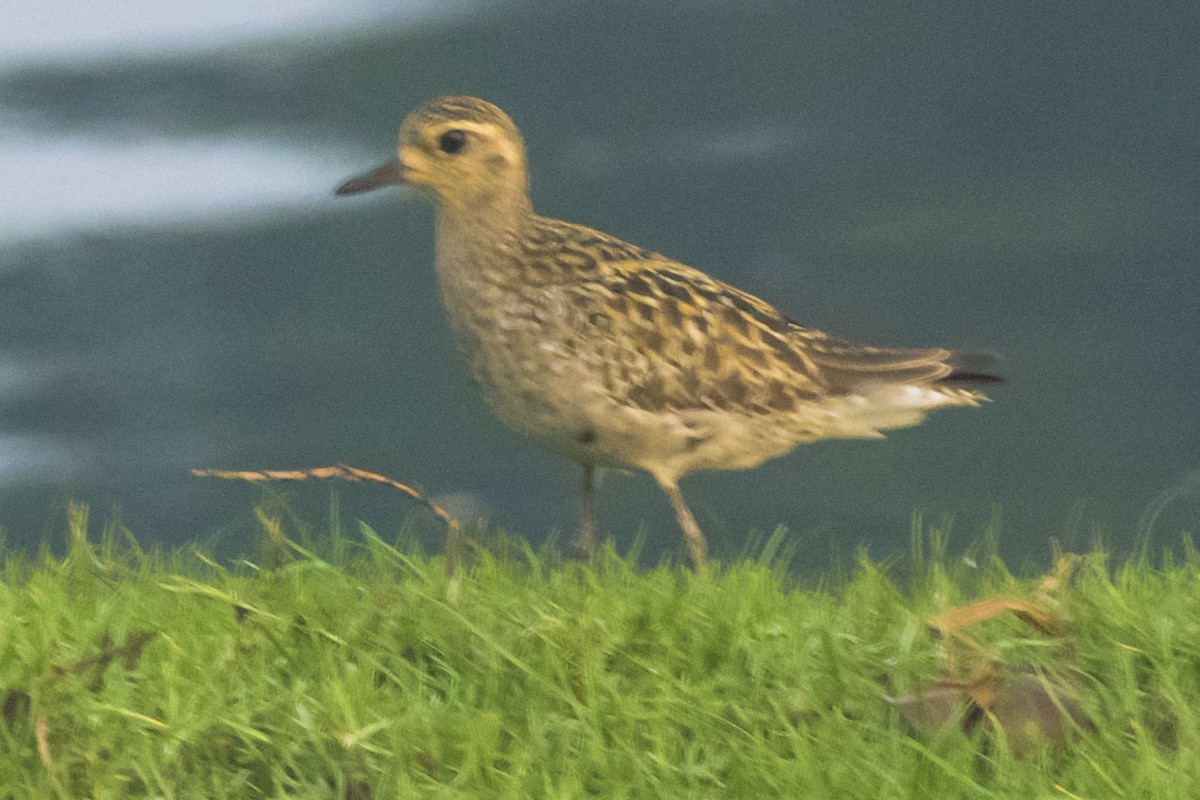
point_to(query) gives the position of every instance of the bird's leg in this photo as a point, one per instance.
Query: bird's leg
(587, 518)
(692, 535)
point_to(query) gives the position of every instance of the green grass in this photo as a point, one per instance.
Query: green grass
(367, 672)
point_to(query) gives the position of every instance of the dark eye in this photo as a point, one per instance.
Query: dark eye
(453, 141)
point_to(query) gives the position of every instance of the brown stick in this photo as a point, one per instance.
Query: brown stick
(346, 472)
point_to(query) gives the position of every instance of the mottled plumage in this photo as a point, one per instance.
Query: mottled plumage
(617, 356)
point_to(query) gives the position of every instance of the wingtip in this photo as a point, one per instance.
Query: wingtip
(973, 368)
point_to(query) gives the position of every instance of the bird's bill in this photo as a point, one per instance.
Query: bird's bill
(389, 174)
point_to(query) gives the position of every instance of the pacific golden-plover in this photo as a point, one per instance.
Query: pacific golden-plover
(614, 355)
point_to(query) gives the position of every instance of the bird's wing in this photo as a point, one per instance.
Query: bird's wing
(845, 365)
(665, 335)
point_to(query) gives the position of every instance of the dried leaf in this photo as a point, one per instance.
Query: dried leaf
(931, 707)
(1029, 707)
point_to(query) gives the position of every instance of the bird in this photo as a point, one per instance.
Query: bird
(615, 356)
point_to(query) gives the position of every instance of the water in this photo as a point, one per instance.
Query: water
(179, 289)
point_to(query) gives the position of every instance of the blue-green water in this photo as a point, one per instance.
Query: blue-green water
(178, 287)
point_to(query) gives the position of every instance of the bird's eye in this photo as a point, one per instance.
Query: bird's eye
(453, 141)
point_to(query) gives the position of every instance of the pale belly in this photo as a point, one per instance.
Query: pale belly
(559, 400)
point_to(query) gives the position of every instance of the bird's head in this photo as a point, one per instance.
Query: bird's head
(465, 151)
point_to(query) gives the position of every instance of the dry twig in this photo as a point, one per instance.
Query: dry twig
(346, 472)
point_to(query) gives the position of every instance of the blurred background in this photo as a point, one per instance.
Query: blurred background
(179, 288)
